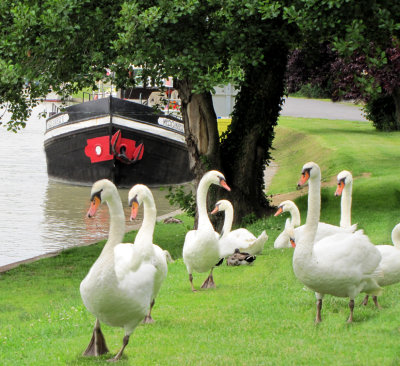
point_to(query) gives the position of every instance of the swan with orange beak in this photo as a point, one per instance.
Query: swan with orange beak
(344, 189)
(201, 251)
(283, 239)
(138, 195)
(95, 202)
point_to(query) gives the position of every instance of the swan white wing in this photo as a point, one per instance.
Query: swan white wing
(120, 297)
(324, 230)
(132, 298)
(351, 255)
(160, 262)
(189, 244)
(344, 266)
(243, 240)
(258, 245)
(390, 264)
(282, 241)
(243, 234)
(237, 239)
(125, 260)
(200, 250)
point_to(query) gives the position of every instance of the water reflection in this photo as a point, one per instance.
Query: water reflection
(65, 223)
(37, 215)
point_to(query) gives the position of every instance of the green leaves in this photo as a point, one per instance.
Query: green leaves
(211, 42)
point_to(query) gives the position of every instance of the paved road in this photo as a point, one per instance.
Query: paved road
(311, 108)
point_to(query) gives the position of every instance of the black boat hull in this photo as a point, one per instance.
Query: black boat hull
(79, 145)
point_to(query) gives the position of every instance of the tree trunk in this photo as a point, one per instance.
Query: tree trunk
(396, 98)
(246, 149)
(201, 133)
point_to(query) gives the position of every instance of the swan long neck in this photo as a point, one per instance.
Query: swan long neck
(146, 231)
(226, 229)
(304, 249)
(117, 223)
(201, 201)
(295, 216)
(345, 205)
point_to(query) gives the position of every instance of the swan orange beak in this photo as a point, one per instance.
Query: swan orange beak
(94, 205)
(134, 210)
(304, 178)
(293, 243)
(279, 211)
(216, 209)
(340, 187)
(223, 184)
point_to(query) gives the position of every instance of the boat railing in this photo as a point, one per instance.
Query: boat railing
(87, 97)
(54, 110)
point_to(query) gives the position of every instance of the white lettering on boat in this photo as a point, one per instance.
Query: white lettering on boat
(175, 125)
(58, 120)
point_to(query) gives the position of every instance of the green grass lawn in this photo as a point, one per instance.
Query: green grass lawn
(373, 158)
(257, 315)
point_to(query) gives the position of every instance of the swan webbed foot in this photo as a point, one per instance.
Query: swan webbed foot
(365, 301)
(97, 345)
(209, 282)
(351, 306)
(148, 319)
(375, 298)
(318, 316)
(117, 357)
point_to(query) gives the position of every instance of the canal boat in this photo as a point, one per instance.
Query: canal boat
(121, 140)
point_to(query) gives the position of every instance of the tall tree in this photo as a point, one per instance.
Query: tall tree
(52, 45)
(206, 43)
(68, 44)
(362, 60)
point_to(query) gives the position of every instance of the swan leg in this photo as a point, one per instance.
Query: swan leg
(375, 298)
(351, 306)
(148, 319)
(319, 308)
(97, 345)
(209, 282)
(191, 282)
(119, 354)
(365, 301)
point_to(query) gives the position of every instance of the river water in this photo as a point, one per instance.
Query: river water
(39, 215)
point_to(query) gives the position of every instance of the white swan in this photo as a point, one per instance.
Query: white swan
(342, 265)
(137, 195)
(102, 191)
(200, 249)
(390, 263)
(241, 239)
(323, 230)
(119, 287)
(344, 189)
(283, 239)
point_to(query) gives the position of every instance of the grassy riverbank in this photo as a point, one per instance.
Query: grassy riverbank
(371, 156)
(258, 315)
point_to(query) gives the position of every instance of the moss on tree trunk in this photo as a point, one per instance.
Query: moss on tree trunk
(246, 149)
